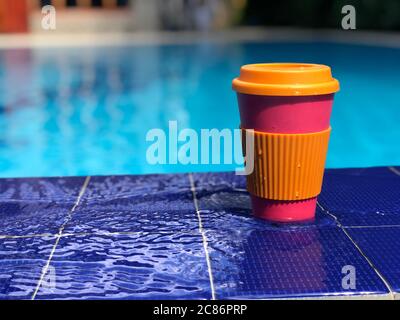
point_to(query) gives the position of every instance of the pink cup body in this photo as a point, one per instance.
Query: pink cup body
(281, 114)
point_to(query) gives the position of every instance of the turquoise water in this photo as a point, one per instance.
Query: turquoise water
(86, 111)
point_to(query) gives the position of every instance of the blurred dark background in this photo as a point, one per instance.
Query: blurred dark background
(133, 15)
(371, 14)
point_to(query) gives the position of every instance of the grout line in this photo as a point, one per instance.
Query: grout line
(366, 227)
(43, 235)
(83, 189)
(346, 297)
(391, 291)
(329, 214)
(46, 267)
(203, 235)
(393, 169)
(105, 233)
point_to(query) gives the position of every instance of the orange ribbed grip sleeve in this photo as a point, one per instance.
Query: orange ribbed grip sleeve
(287, 166)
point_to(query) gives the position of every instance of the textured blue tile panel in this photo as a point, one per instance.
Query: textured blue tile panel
(21, 218)
(362, 200)
(21, 264)
(18, 278)
(36, 205)
(137, 237)
(251, 258)
(382, 246)
(140, 186)
(135, 203)
(110, 218)
(41, 189)
(152, 265)
(287, 264)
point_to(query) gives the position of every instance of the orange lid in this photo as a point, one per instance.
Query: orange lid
(285, 79)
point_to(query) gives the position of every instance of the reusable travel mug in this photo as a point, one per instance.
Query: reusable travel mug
(288, 105)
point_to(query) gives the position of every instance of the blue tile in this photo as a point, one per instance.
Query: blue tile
(135, 203)
(381, 246)
(21, 218)
(21, 264)
(18, 278)
(219, 181)
(36, 205)
(26, 248)
(137, 237)
(289, 263)
(132, 266)
(135, 186)
(108, 218)
(362, 200)
(252, 258)
(41, 189)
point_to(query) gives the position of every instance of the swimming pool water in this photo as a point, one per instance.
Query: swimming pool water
(86, 111)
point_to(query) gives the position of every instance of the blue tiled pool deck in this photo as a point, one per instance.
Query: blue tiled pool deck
(192, 236)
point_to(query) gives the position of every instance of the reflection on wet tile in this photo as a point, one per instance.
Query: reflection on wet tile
(26, 248)
(41, 189)
(36, 205)
(18, 278)
(21, 218)
(137, 237)
(225, 203)
(108, 219)
(135, 266)
(135, 203)
(21, 264)
(219, 181)
(252, 258)
(157, 187)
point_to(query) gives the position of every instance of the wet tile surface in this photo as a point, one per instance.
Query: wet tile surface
(32, 218)
(21, 264)
(41, 189)
(135, 204)
(32, 206)
(251, 258)
(153, 187)
(138, 237)
(152, 265)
